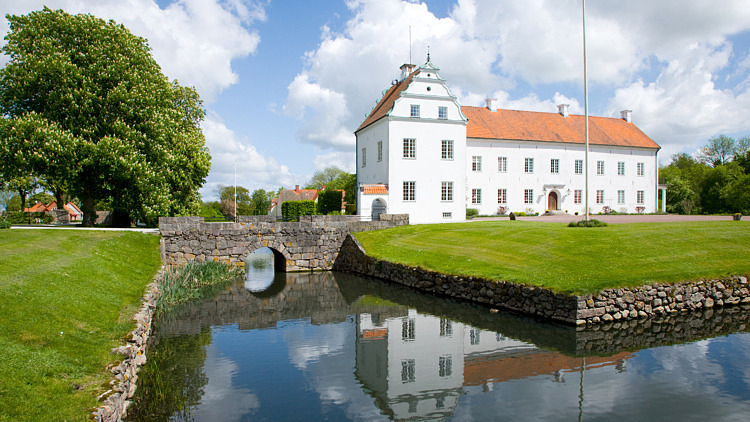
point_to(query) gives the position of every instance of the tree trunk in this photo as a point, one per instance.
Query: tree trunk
(89, 213)
(59, 198)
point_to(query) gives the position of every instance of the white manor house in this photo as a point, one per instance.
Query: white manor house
(419, 152)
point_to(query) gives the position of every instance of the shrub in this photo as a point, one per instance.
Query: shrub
(23, 218)
(606, 209)
(329, 200)
(291, 210)
(590, 223)
(640, 209)
(4, 224)
(502, 210)
(471, 212)
(351, 209)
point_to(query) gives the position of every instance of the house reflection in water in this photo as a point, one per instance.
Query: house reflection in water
(415, 366)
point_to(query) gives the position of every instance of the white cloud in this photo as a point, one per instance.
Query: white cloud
(193, 41)
(254, 170)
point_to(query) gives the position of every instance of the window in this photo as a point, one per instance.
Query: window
(554, 165)
(502, 164)
(446, 327)
(600, 168)
(447, 215)
(364, 157)
(502, 196)
(528, 196)
(445, 366)
(579, 166)
(474, 336)
(476, 196)
(414, 110)
(407, 329)
(639, 197)
(442, 112)
(408, 372)
(600, 196)
(409, 191)
(380, 151)
(410, 148)
(528, 165)
(620, 197)
(446, 150)
(577, 194)
(446, 191)
(476, 163)
(621, 168)
(640, 169)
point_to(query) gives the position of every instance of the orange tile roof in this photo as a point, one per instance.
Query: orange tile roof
(552, 127)
(385, 104)
(376, 189)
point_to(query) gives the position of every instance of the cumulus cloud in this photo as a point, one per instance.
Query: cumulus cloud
(254, 169)
(659, 59)
(193, 41)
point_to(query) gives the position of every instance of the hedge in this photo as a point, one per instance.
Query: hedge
(291, 210)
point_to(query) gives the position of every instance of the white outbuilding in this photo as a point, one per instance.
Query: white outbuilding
(419, 152)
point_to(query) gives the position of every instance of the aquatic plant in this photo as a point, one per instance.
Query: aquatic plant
(193, 281)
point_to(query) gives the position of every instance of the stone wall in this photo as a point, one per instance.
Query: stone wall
(610, 305)
(311, 244)
(529, 300)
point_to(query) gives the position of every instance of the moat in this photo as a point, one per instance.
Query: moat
(332, 346)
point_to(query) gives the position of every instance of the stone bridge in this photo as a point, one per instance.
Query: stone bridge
(311, 244)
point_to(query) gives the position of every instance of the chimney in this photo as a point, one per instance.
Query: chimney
(625, 115)
(406, 70)
(491, 104)
(562, 109)
(296, 188)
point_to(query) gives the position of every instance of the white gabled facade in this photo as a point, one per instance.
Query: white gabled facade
(415, 149)
(420, 153)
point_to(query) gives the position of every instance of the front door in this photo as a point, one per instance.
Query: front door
(552, 201)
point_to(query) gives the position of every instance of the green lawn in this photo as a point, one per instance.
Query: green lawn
(66, 298)
(569, 260)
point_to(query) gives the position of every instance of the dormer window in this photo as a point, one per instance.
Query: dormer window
(414, 110)
(442, 112)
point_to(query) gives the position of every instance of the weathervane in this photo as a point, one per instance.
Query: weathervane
(428, 54)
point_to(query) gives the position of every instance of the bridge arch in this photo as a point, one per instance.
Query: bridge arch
(280, 256)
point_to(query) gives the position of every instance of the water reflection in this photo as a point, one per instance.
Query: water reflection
(259, 274)
(338, 347)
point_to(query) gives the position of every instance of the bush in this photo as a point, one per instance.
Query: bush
(329, 200)
(471, 212)
(351, 209)
(291, 210)
(502, 210)
(23, 218)
(590, 223)
(4, 224)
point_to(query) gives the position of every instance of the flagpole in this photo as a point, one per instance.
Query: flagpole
(235, 191)
(586, 108)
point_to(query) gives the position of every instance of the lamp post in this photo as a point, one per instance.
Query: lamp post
(586, 109)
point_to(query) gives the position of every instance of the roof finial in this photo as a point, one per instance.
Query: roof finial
(428, 54)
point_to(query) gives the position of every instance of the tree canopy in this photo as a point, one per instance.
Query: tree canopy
(87, 109)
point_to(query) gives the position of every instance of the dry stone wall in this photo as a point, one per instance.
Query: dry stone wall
(610, 305)
(313, 243)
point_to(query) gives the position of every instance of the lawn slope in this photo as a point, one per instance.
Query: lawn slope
(569, 260)
(66, 298)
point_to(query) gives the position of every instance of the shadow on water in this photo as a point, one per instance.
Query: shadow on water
(387, 317)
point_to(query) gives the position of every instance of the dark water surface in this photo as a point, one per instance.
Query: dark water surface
(332, 346)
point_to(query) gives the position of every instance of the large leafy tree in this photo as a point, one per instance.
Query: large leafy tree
(87, 109)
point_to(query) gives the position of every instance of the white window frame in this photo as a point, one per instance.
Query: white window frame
(640, 197)
(502, 164)
(578, 196)
(579, 167)
(446, 191)
(600, 168)
(410, 148)
(502, 196)
(554, 165)
(447, 215)
(364, 157)
(476, 163)
(414, 110)
(409, 191)
(446, 149)
(620, 197)
(442, 112)
(476, 196)
(380, 151)
(528, 165)
(528, 196)
(621, 168)
(600, 196)
(641, 169)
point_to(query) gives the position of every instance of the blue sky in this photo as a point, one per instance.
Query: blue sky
(285, 83)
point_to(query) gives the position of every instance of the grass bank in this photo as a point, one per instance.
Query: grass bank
(66, 298)
(569, 260)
